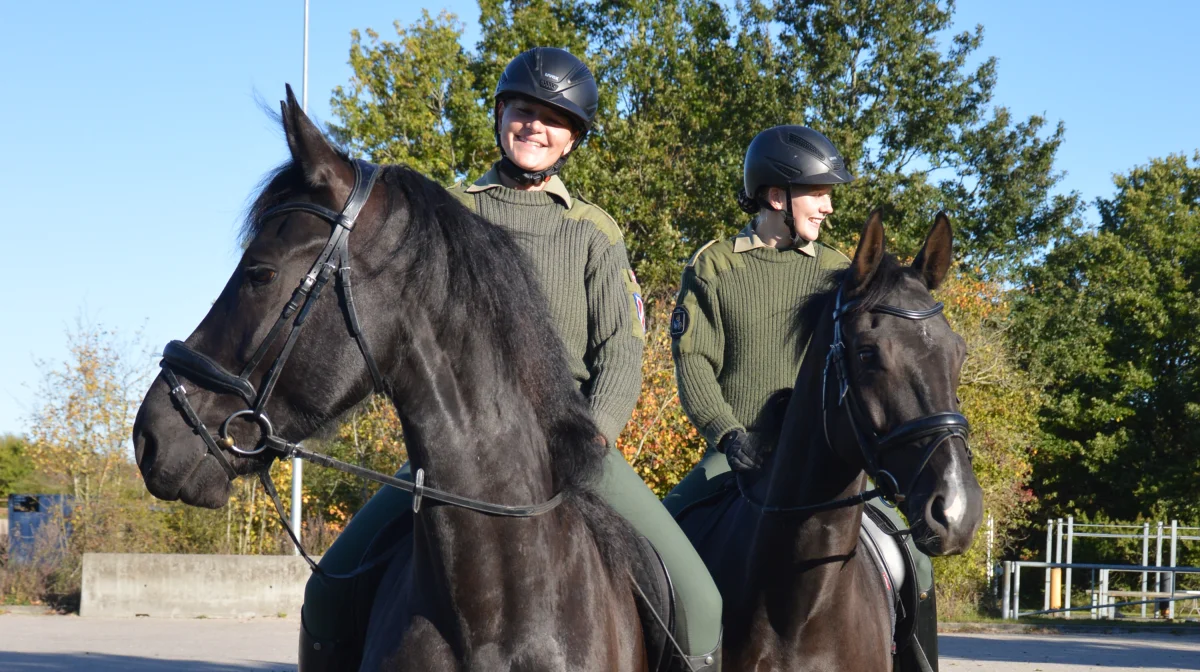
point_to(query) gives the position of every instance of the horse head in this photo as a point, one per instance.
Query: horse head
(304, 213)
(889, 390)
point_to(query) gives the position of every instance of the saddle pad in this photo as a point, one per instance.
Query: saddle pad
(888, 550)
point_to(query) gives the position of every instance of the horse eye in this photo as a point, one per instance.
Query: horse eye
(866, 356)
(260, 275)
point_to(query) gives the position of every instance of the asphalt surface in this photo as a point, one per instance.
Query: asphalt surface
(1067, 653)
(42, 643)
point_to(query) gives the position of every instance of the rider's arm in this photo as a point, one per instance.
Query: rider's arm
(615, 337)
(698, 346)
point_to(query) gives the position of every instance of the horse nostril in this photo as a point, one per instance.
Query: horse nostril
(937, 511)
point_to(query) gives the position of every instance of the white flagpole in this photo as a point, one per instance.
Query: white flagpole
(297, 463)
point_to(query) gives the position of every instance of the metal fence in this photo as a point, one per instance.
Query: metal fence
(1104, 602)
(1063, 532)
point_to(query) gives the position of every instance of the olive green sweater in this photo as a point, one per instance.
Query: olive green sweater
(579, 257)
(734, 336)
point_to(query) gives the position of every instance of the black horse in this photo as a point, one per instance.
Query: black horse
(875, 397)
(457, 333)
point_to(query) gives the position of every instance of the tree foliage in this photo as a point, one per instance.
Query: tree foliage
(1109, 323)
(686, 84)
(81, 425)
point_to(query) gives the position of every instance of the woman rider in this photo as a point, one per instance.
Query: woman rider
(732, 335)
(544, 106)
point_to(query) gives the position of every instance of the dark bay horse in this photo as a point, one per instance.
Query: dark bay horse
(456, 332)
(875, 397)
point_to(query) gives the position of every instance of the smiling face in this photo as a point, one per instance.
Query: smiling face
(811, 204)
(532, 135)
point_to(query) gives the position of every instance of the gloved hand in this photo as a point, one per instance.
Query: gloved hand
(742, 453)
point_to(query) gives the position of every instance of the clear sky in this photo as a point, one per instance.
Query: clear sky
(131, 138)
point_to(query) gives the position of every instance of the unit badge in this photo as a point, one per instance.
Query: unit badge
(679, 321)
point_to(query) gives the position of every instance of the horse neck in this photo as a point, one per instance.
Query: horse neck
(806, 471)
(467, 422)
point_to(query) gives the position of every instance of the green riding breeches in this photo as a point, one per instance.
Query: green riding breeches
(698, 603)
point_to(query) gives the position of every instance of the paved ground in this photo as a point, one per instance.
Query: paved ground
(45, 643)
(1068, 653)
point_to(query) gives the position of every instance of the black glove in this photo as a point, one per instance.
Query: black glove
(742, 453)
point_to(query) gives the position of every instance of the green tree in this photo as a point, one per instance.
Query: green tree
(685, 85)
(17, 474)
(412, 101)
(918, 124)
(1109, 321)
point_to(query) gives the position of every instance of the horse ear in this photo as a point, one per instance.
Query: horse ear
(322, 166)
(868, 255)
(933, 260)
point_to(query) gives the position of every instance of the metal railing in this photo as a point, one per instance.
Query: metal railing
(1102, 606)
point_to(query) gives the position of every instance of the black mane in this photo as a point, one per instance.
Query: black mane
(487, 289)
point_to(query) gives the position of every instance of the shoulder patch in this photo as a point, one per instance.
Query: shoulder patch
(583, 209)
(695, 257)
(679, 321)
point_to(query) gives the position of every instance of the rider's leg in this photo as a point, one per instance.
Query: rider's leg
(703, 480)
(698, 602)
(326, 600)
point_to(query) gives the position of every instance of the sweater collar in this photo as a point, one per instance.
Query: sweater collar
(747, 240)
(491, 180)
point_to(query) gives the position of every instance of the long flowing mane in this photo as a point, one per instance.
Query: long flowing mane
(472, 269)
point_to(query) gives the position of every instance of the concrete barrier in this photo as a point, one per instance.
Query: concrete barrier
(190, 586)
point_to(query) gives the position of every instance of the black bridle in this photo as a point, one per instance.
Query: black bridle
(332, 263)
(935, 429)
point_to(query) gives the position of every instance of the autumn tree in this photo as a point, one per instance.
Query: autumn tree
(81, 426)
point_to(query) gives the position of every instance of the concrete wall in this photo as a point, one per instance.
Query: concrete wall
(125, 585)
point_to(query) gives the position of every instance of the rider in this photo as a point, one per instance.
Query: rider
(733, 341)
(545, 103)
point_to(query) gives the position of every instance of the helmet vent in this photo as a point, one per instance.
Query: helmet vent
(835, 162)
(797, 141)
(548, 84)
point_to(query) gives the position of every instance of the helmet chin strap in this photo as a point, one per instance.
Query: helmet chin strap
(522, 176)
(789, 220)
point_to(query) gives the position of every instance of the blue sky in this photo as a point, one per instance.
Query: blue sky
(132, 138)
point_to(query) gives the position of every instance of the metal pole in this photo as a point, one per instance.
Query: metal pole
(991, 573)
(1104, 592)
(1145, 561)
(1067, 577)
(1171, 576)
(1049, 558)
(297, 463)
(1158, 562)
(1006, 591)
(1016, 599)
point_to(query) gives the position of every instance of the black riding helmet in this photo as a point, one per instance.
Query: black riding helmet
(787, 155)
(555, 78)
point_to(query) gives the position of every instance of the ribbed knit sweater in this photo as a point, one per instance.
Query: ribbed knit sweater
(579, 257)
(734, 336)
